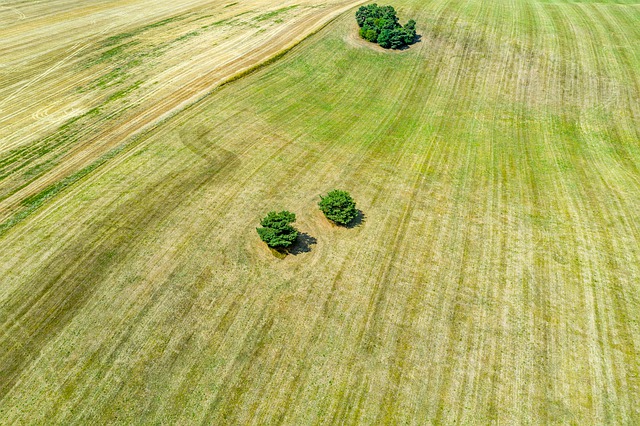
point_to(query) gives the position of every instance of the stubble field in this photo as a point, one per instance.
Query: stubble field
(494, 276)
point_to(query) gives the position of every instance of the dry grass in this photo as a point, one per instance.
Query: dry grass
(80, 79)
(495, 277)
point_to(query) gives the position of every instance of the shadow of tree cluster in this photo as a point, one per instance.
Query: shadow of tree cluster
(416, 39)
(303, 244)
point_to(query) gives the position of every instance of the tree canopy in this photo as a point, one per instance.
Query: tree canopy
(339, 207)
(276, 229)
(380, 24)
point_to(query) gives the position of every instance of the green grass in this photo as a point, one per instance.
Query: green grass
(495, 277)
(114, 52)
(274, 13)
(124, 92)
(31, 204)
(187, 36)
(116, 39)
(41, 156)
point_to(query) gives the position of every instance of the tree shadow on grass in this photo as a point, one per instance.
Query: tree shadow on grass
(303, 244)
(357, 221)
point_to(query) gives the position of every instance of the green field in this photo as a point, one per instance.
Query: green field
(495, 276)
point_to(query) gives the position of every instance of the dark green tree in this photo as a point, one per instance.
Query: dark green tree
(397, 38)
(369, 34)
(389, 20)
(367, 12)
(276, 229)
(384, 38)
(339, 207)
(410, 25)
(410, 32)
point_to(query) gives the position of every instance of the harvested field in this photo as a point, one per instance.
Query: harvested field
(78, 79)
(494, 277)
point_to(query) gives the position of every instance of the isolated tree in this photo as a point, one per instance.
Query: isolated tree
(276, 229)
(339, 207)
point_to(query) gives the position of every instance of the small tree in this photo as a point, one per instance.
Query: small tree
(339, 207)
(276, 229)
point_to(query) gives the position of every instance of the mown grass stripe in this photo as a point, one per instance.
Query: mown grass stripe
(31, 204)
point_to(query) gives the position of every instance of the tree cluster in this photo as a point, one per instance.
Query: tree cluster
(380, 24)
(277, 232)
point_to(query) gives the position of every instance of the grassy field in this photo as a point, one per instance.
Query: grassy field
(79, 79)
(495, 276)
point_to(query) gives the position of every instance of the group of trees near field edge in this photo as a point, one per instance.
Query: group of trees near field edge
(277, 232)
(380, 24)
